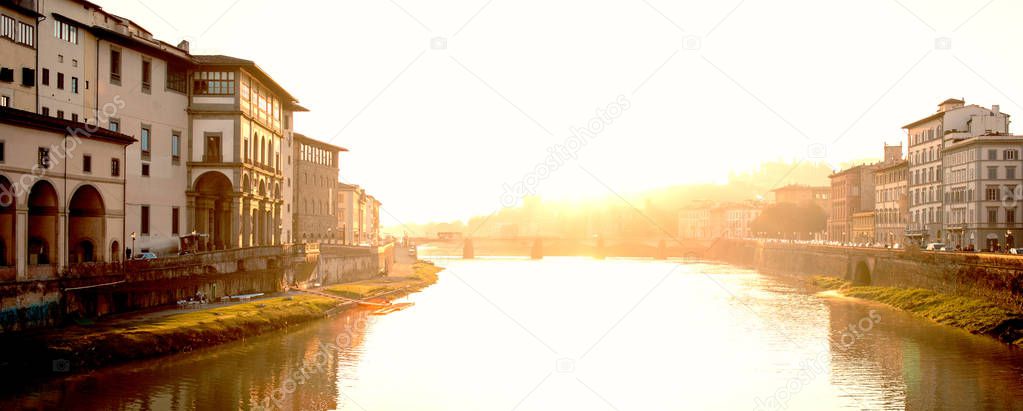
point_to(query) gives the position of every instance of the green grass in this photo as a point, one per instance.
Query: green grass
(420, 275)
(971, 314)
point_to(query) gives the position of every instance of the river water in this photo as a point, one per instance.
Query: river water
(577, 333)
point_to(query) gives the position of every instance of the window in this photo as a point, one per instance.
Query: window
(26, 34)
(147, 76)
(1010, 215)
(992, 215)
(74, 85)
(175, 147)
(144, 139)
(8, 25)
(1011, 154)
(145, 169)
(212, 152)
(1010, 172)
(115, 125)
(46, 111)
(28, 77)
(115, 66)
(44, 157)
(992, 154)
(175, 220)
(214, 83)
(144, 224)
(60, 81)
(74, 117)
(992, 173)
(46, 77)
(5, 101)
(60, 114)
(115, 167)
(87, 163)
(65, 31)
(2, 152)
(177, 78)
(991, 193)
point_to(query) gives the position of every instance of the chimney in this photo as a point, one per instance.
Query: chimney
(995, 109)
(183, 45)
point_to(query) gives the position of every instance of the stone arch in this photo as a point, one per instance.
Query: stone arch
(861, 273)
(86, 225)
(214, 193)
(43, 204)
(8, 221)
(115, 251)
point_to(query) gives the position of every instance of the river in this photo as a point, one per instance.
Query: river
(577, 333)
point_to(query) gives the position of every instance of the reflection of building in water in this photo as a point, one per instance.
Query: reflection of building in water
(903, 362)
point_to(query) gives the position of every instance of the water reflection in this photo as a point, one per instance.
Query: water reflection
(566, 333)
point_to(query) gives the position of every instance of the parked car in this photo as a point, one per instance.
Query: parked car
(935, 247)
(1016, 251)
(145, 256)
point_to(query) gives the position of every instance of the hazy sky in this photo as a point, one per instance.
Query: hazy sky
(701, 87)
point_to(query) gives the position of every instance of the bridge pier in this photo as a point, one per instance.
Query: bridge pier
(537, 252)
(468, 253)
(662, 251)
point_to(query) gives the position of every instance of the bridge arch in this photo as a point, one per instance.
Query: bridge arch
(861, 273)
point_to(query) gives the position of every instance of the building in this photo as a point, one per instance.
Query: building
(316, 194)
(18, 27)
(954, 120)
(694, 223)
(891, 201)
(982, 191)
(238, 121)
(359, 216)
(852, 192)
(863, 227)
(62, 187)
(804, 194)
(739, 217)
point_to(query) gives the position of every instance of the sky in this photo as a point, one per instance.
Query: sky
(457, 108)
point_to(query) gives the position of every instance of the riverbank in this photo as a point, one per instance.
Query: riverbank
(970, 314)
(83, 347)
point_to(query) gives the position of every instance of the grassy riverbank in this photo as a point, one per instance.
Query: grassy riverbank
(150, 335)
(971, 314)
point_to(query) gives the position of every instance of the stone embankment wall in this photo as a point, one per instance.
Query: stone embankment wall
(996, 278)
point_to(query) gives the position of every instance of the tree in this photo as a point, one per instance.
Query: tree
(787, 220)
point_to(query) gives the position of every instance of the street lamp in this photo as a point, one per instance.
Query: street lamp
(132, 246)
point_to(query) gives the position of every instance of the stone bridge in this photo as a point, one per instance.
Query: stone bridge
(539, 247)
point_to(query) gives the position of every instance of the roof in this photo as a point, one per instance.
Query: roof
(892, 164)
(222, 60)
(952, 100)
(29, 119)
(800, 187)
(26, 7)
(314, 141)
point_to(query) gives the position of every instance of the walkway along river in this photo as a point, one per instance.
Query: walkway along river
(577, 333)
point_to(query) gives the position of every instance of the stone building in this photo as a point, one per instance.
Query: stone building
(62, 187)
(316, 194)
(926, 137)
(852, 192)
(18, 45)
(982, 191)
(891, 202)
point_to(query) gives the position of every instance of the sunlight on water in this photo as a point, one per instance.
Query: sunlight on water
(574, 333)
